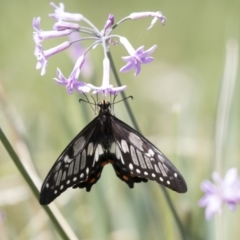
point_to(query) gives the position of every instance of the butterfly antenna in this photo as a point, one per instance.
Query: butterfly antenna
(121, 99)
(87, 101)
(112, 99)
(95, 104)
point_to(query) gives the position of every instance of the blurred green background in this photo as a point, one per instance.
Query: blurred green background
(175, 104)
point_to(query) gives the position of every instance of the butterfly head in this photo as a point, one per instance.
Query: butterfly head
(104, 106)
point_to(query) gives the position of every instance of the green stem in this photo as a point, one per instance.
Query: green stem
(170, 204)
(61, 227)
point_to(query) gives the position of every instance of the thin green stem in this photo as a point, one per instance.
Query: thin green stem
(169, 201)
(61, 227)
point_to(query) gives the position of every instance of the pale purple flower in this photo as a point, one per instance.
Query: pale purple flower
(72, 82)
(62, 25)
(60, 13)
(222, 191)
(43, 55)
(77, 50)
(136, 58)
(110, 22)
(156, 16)
(69, 23)
(40, 35)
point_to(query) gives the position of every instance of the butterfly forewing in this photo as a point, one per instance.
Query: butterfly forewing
(74, 165)
(144, 160)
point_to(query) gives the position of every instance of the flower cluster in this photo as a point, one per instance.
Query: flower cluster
(222, 191)
(69, 23)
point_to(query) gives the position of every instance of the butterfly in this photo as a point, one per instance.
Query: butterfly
(106, 139)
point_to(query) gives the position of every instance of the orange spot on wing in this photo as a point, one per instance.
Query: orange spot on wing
(125, 177)
(106, 162)
(92, 180)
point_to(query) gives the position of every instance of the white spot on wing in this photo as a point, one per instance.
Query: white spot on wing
(57, 166)
(156, 168)
(113, 148)
(75, 179)
(83, 159)
(138, 171)
(141, 160)
(124, 146)
(81, 175)
(134, 156)
(150, 153)
(47, 185)
(175, 175)
(146, 173)
(100, 149)
(55, 192)
(136, 140)
(59, 177)
(162, 169)
(168, 182)
(96, 156)
(55, 177)
(161, 179)
(90, 149)
(130, 166)
(165, 167)
(68, 181)
(67, 159)
(64, 176)
(76, 165)
(70, 169)
(78, 145)
(153, 175)
(148, 162)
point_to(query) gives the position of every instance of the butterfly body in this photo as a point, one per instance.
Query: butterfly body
(106, 139)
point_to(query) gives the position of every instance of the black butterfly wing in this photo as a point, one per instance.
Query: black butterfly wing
(79, 165)
(143, 160)
(116, 159)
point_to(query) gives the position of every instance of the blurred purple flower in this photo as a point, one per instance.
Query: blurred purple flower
(222, 191)
(77, 50)
(39, 35)
(72, 82)
(60, 14)
(156, 16)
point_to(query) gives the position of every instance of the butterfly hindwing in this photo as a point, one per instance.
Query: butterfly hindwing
(77, 163)
(118, 163)
(143, 159)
